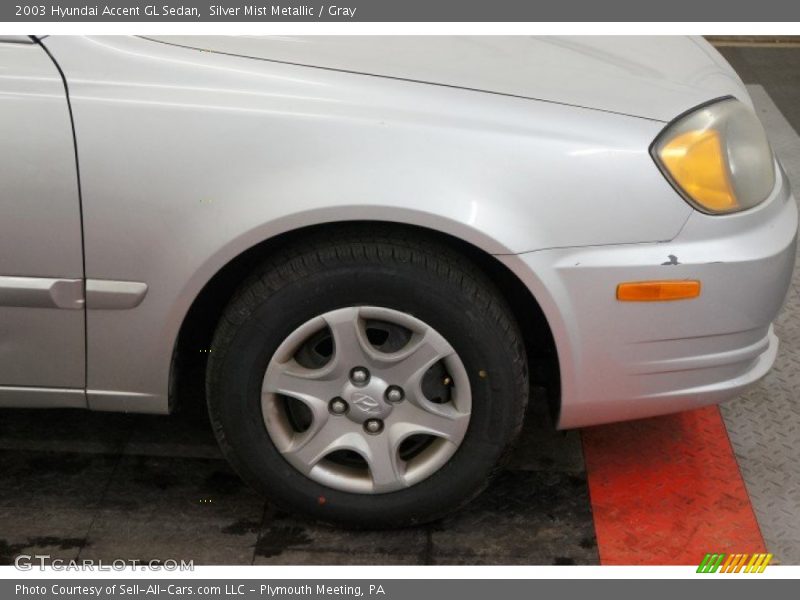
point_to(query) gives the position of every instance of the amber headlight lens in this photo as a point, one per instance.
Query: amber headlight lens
(718, 157)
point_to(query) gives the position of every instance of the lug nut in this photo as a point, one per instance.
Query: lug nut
(338, 406)
(394, 393)
(359, 376)
(373, 426)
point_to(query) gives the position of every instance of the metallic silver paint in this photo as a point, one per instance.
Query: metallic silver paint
(41, 292)
(41, 227)
(212, 154)
(189, 158)
(625, 360)
(16, 39)
(655, 77)
(105, 294)
(41, 397)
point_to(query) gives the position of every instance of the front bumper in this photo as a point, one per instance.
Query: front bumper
(627, 360)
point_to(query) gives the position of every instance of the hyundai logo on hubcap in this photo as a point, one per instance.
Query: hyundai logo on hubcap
(366, 403)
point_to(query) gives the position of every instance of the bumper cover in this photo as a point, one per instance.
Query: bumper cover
(628, 360)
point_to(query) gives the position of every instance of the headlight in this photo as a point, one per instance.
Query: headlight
(717, 157)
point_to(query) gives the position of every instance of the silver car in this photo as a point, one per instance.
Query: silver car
(368, 249)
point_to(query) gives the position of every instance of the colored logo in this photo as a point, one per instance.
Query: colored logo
(734, 563)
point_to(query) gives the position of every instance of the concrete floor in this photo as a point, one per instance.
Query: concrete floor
(91, 485)
(75, 484)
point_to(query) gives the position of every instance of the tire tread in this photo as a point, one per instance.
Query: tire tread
(376, 245)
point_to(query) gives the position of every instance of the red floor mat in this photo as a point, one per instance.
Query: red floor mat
(668, 490)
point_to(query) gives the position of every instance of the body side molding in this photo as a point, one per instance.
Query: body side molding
(47, 292)
(109, 294)
(41, 292)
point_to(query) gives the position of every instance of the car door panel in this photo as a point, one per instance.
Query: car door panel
(42, 321)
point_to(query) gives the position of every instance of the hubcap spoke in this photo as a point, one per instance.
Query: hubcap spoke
(308, 448)
(385, 467)
(365, 401)
(350, 343)
(410, 364)
(312, 386)
(421, 416)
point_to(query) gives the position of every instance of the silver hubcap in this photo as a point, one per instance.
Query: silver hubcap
(368, 424)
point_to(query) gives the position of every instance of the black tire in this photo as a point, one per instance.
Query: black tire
(380, 268)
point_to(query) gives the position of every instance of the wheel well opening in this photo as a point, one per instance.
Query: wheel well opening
(193, 347)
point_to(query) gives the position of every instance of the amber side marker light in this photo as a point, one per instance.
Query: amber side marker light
(657, 291)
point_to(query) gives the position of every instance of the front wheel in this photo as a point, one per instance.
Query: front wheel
(373, 382)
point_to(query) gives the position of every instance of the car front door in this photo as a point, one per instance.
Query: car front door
(42, 320)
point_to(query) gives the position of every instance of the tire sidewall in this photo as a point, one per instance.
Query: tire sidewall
(481, 343)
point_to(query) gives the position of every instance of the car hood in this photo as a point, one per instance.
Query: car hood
(650, 77)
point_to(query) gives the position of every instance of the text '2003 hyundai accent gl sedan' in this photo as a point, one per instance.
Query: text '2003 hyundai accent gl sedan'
(379, 244)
